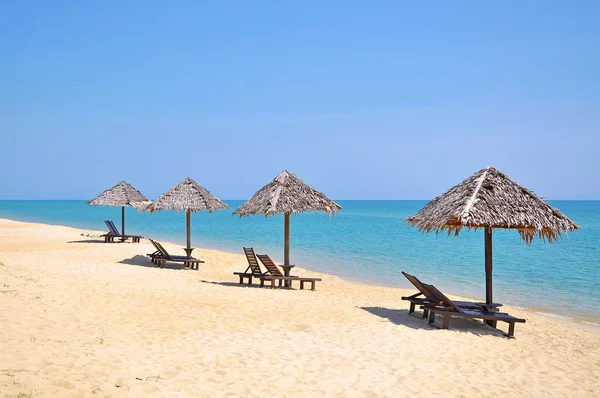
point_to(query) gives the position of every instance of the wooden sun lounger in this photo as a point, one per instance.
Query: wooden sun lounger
(447, 308)
(113, 233)
(275, 274)
(428, 298)
(164, 256)
(253, 269)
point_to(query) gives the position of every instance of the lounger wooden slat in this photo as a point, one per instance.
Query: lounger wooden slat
(164, 256)
(253, 269)
(428, 298)
(448, 309)
(275, 274)
(274, 278)
(113, 233)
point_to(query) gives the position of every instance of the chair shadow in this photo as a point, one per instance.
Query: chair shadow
(143, 261)
(92, 240)
(416, 321)
(237, 284)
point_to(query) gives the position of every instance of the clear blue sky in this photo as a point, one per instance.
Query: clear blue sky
(363, 100)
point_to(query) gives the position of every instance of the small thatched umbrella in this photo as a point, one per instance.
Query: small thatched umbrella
(187, 196)
(489, 200)
(287, 194)
(122, 194)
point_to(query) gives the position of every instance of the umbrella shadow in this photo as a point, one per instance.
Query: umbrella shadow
(416, 321)
(143, 261)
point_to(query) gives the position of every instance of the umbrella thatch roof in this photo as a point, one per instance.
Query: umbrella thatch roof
(287, 194)
(122, 194)
(490, 199)
(187, 195)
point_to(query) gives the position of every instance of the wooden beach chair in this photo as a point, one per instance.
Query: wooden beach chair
(156, 253)
(253, 269)
(275, 274)
(428, 298)
(164, 256)
(113, 233)
(448, 309)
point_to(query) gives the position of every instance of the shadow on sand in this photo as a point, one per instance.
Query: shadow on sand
(92, 240)
(237, 284)
(143, 261)
(416, 321)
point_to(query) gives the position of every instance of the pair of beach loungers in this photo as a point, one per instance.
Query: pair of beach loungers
(161, 256)
(434, 302)
(113, 233)
(273, 273)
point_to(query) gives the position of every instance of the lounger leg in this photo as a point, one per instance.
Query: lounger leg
(301, 285)
(273, 283)
(431, 317)
(312, 285)
(262, 283)
(446, 324)
(412, 308)
(250, 280)
(425, 313)
(492, 323)
(511, 329)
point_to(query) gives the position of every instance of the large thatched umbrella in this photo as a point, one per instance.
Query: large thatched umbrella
(187, 196)
(287, 194)
(489, 200)
(122, 194)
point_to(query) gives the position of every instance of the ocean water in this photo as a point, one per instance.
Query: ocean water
(369, 242)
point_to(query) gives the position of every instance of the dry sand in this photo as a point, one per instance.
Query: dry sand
(80, 318)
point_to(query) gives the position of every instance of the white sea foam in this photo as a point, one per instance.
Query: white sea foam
(548, 314)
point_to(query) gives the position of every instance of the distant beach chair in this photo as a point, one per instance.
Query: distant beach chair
(428, 298)
(253, 269)
(161, 255)
(113, 233)
(447, 309)
(275, 274)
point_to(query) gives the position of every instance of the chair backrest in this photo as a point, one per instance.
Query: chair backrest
(253, 265)
(161, 249)
(418, 284)
(155, 245)
(112, 227)
(441, 298)
(110, 231)
(269, 265)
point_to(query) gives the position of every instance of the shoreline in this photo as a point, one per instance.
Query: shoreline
(81, 317)
(591, 324)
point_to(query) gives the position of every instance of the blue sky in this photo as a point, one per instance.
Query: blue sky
(363, 100)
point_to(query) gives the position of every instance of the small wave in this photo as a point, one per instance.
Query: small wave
(594, 324)
(548, 314)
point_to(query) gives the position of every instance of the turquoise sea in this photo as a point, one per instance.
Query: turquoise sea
(369, 242)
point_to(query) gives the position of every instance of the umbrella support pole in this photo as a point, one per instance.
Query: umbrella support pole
(286, 239)
(123, 223)
(286, 248)
(189, 248)
(488, 270)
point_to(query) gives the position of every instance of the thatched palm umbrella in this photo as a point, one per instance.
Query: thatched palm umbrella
(489, 200)
(287, 194)
(122, 194)
(187, 196)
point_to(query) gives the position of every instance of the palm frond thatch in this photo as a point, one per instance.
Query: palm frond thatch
(122, 194)
(489, 199)
(287, 194)
(187, 195)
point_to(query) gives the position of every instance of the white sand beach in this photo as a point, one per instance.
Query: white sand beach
(81, 318)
